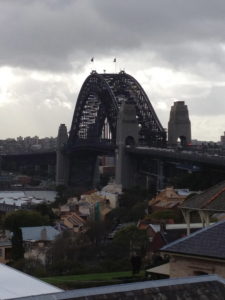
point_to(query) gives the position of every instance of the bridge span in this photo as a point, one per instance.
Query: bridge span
(113, 116)
(166, 154)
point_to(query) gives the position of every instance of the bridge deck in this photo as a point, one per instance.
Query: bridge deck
(174, 155)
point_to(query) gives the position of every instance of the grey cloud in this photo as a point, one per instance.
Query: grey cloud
(62, 35)
(50, 34)
(212, 104)
(37, 106)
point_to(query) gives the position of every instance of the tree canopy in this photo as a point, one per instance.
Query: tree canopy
(24, 218)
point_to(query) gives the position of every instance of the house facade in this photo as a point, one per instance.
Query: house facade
(5, 251)
(200, 253)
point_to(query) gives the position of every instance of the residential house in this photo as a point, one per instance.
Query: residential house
(169, 198)
(99, 205)
(160, 235)
(202, 252)
(5, 251)
(73, 221)
(111, 192)
(207, 204)
(36, 241)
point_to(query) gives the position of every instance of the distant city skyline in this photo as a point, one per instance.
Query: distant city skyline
(175, 49)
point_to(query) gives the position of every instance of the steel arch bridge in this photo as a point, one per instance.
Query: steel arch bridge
(95, 116)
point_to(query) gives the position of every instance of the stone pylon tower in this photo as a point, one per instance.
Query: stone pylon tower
(61, 159)
(179, 126)
(126, 135)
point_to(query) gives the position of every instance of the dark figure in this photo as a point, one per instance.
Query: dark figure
(136, 263)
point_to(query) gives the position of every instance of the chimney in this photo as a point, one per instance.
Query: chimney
(43, 234)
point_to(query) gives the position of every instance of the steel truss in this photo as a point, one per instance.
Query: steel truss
(99, 100)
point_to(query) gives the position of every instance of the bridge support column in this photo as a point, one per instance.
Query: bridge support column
(160, 175)
(127, 136)
(61, 158)
(37, 168)
(179, 125)
(96, 177)
(51, 170)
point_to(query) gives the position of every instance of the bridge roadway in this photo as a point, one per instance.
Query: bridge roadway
(164, 154)
(40, 154)
(178, 156)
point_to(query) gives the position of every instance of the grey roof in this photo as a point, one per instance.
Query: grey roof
(211, 199)
(5, 243)
(14, 283)
(38, 233)
(208, 287)
(208, 242)
(43, 195)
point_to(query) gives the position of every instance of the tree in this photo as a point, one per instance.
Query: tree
(60, 196)
(132, 239)
(17, 244)
(24, 218)
(46, 211)
(66, 252)
(21, 218)
(132, 196)
(165, 215)
(96, 231)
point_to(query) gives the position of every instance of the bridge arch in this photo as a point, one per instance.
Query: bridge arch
(100, 98)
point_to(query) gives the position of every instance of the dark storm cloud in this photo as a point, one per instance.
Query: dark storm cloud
(53, 34)
(184, 38)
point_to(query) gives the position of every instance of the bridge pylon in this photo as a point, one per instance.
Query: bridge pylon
(62, 170)
(127, 136)
(179, 125)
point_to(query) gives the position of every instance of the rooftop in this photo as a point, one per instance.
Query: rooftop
(38, 233)
(15, 284)
(207, 242)
(19, 198)
(201, 287)
(211, 199)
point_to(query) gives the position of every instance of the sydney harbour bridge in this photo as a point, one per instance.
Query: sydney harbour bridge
(113, 116)
(98, 105)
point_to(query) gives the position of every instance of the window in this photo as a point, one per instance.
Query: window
(198, 273)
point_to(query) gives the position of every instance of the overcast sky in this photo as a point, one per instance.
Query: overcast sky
(174, 48)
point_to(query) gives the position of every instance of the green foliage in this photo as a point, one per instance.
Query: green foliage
(132, 206)
(96, 231)
(64, 192)
(21, 218)
(165, 215)
(60, 196)
(24, 218)
(113, 265)
(132, 196)
(138, 211)
(46, 211)
(129, 240)
(66, 253)
(198, 180)
(30, 266)
(92, 280)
